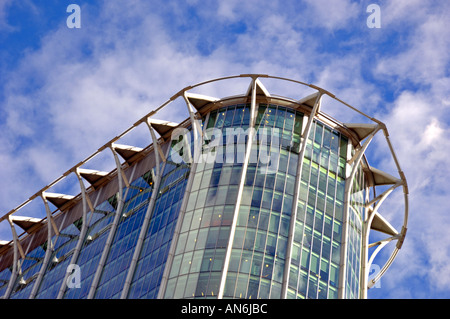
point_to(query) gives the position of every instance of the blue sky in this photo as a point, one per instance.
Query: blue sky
(65, 92)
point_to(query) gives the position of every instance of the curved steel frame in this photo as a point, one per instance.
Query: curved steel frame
(372, 205)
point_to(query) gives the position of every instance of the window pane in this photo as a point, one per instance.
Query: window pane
(249, 239)
(260, 242)
(238, 115)
(235, 259)
(202, 285)
(201, 239)
(253, 286)
(212, 237)
(232, 195)
(229, 117)
(230, 284)
(221, 195)
(196, 261)
(186, 263)
(225, 175)
(191, 285)
(267, 199)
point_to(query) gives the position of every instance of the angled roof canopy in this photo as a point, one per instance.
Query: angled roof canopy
(361, 130)
(162, 127)
(382, 178)
(127, 152)
(4, 243)
(59, 200)
(260, 89)
(309, 100)
(26, 223)
(199, 101)
(93, 177)
(380, 224)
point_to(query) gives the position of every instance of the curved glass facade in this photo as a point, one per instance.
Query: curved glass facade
(201, 247)
(153, 255)
(258, 253)
(285, 220)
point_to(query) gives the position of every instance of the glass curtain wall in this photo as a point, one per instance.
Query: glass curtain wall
(200, 252)
(5, 275)
(136, 198)
(314, 269)
(30, 267)
(152, 260)
(258, 254)
(122, 248)
(99, 223)
(264, 214)
(356, 215)
(154, 252)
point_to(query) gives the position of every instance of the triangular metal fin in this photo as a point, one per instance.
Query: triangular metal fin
(260, 89)
(382, 225)
(382, 178)
(362, 130)
(309, 100)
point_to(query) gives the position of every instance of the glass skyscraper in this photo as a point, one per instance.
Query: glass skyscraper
(252, 196)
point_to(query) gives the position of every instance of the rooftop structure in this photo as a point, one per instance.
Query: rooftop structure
(252, 196)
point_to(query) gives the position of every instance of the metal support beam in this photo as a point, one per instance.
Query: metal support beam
(367, 225)
(354, 162)
(251, 136)
(176, 233)
(159, 157)
(301, 155)
(120, 172)
(179, 224)
(120, 203)
(18, 253)
(50, 247)
(87, 204)
(196, 132)
(196, 127)
(156, 146)
(383, 195)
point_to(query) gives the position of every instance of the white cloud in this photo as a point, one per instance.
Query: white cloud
(4, 25)
(418, 123)
(406, 13)
(234, 10)
(61, 106)
(70, 104)
(332, 15)
(418, 134)
(425, 57)
(433, 134)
